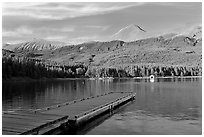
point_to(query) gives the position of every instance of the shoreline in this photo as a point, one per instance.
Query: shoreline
(27, 79)
(170, 77)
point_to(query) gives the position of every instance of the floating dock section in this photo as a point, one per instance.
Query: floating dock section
(62, 116)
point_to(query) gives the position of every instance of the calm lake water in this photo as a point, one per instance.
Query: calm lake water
(166, 106)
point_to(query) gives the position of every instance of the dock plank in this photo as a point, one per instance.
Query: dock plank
(19, 130)
(30, 114)
(22, 122)
(34, 117)
(20, 126)
(31, 122)
(87, 104)
(7, 132)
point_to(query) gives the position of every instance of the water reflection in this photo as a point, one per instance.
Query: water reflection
(166, 100)
(167, 106)
(31, 95)
(169, 91)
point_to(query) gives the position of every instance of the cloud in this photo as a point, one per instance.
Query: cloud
(186, 28)
(97, 27)
(62, 10)
(20, 34)
(24, 30)
(66, 29)
(21, 31)
(82, 39)
(58, 30)
(56, 38)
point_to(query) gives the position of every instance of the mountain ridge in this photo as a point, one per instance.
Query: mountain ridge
(35, 45)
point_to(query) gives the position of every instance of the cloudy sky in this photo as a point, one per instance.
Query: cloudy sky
(80, 22)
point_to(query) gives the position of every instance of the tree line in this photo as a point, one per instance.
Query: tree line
(144, 71)
(15, 67)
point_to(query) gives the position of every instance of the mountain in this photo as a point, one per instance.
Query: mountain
(169, 35)
(177, 50)
(169, 49)
(130, 33)
(193, 32)
(35, 45)
(82, 53)
(196, 32)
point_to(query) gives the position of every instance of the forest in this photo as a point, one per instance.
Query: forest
(15, 67)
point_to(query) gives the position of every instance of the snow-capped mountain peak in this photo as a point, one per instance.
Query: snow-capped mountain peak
(130, 33)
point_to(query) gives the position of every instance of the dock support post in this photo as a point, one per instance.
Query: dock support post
(133, 98)
(110, 108)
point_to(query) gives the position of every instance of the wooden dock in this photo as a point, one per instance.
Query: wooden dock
(65, 115)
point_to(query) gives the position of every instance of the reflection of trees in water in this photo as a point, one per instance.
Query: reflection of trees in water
(21, 94)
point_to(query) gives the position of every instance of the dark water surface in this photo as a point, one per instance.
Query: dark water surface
(166, 106)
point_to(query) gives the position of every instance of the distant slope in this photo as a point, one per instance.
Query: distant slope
(34, 45)
(196, 32)
(169, 35)
(82, 53)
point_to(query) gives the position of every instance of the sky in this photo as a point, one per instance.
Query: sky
(97, 21)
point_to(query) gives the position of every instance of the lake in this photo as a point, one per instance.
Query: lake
(166, 106)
